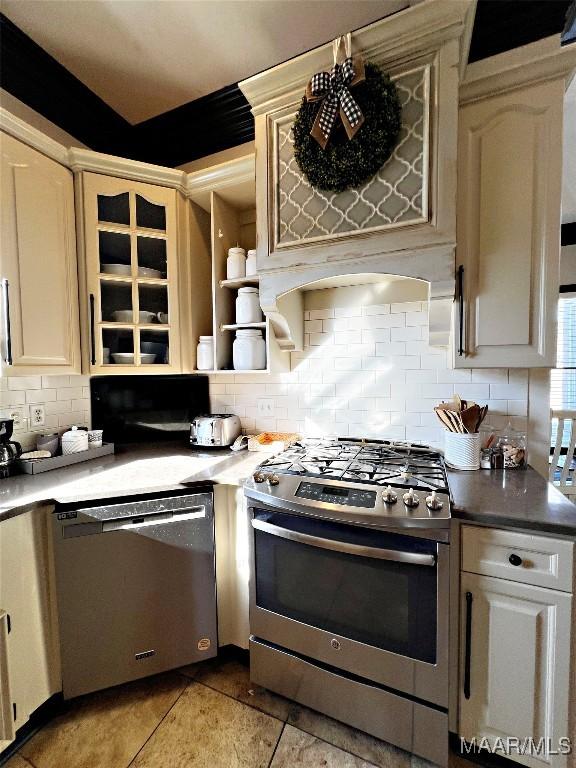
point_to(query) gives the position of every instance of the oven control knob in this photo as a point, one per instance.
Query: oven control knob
(433, 502)
(389, 496)
(411, 499)
(272, 479)
(259, 477)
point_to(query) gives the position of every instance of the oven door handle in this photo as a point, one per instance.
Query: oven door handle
(411, 558)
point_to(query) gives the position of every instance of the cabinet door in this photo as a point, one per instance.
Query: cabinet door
(517, 652)
(509, 186)
(27, 595)
(38, 261)
(7, 732)
(130, 233)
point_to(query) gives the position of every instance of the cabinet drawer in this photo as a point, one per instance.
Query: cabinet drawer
(522, 557)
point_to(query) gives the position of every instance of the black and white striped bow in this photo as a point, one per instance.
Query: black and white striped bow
(333, 89)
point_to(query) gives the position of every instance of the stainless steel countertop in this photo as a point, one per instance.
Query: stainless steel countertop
(131, 470)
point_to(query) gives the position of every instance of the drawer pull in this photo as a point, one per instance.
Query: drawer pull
(515, 560)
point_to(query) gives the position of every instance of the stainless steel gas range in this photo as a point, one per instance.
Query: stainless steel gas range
(349, 586)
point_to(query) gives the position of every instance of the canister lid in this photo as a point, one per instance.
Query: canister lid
(206, 338)
(248, 289)
(236, 251)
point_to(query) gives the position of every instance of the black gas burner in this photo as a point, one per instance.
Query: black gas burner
(379, 463)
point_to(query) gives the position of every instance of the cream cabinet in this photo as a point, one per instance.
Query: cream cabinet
(508, 226)
(40, 323)
(515, 647)
(132, 273)
(29, 651)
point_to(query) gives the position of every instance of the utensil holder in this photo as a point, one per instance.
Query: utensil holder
(462, 451)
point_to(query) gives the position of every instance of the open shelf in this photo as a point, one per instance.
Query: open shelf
(240, 282)
(236, 326)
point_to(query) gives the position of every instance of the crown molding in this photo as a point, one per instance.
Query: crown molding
(396, 38)
(529, 64)
(110, 165)
(34, 138)
(218, 177)
(196, 185)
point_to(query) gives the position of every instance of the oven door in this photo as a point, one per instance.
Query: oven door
(370, 602)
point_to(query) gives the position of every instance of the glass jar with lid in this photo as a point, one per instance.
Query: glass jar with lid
(205, 353)
(512, 443)
(248, 306)
(249, 350)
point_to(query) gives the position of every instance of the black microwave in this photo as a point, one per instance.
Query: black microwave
(146, 408)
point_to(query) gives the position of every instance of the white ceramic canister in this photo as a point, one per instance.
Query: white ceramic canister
(205, 353)
(251, 263)
(236, 263)
(249, 350)
(74, 441)
(462, 451)
(248, 305)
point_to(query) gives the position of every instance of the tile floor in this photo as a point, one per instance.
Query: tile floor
(205, 716)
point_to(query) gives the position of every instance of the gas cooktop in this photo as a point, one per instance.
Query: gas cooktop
(379, 463)
(358, 481)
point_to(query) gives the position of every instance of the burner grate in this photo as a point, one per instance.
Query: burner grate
(385, 463)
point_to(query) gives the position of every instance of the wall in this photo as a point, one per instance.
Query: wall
(66, 401)
(367, 371)
(36, 120)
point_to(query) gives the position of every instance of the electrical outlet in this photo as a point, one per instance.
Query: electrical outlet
(18, 415)
(266, 406)
(37, 416)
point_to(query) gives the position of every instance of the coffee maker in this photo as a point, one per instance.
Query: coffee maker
(10, 450)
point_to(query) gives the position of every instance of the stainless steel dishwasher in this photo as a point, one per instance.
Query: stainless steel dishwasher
(136, 588)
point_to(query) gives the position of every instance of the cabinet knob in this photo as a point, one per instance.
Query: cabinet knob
(515, 560)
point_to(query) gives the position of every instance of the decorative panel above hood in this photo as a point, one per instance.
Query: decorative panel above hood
(402, 221)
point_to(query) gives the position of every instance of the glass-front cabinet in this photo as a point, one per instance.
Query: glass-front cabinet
(130, 231)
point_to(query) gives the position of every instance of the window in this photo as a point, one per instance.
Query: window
(563, 377)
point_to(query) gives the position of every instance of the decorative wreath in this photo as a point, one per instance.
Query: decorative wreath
(347, 163)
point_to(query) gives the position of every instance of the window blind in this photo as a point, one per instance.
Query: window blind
(563, 377)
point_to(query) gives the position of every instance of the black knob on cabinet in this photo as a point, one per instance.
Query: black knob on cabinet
(515, 560)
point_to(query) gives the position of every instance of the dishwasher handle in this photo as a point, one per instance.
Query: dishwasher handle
(158, 518)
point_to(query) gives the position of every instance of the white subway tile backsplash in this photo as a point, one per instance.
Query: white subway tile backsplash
(408, 333)
(376, 309)
(40, 395)
(321, 314)
(407, 306)
(347, 311)
(382, 321)
(364, 372)
(25, 382)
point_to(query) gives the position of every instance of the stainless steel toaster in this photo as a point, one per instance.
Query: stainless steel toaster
(215, 430)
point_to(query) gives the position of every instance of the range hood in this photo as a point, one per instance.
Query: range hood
(282, 293)
(306, 236)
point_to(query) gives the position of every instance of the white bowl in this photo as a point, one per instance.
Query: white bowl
(147, 272)
(127, 358)
(116, 269)
(127, 316)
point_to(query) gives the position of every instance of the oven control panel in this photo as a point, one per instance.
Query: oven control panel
(330, 494)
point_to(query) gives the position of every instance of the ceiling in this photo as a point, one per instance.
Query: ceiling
(144, 58)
